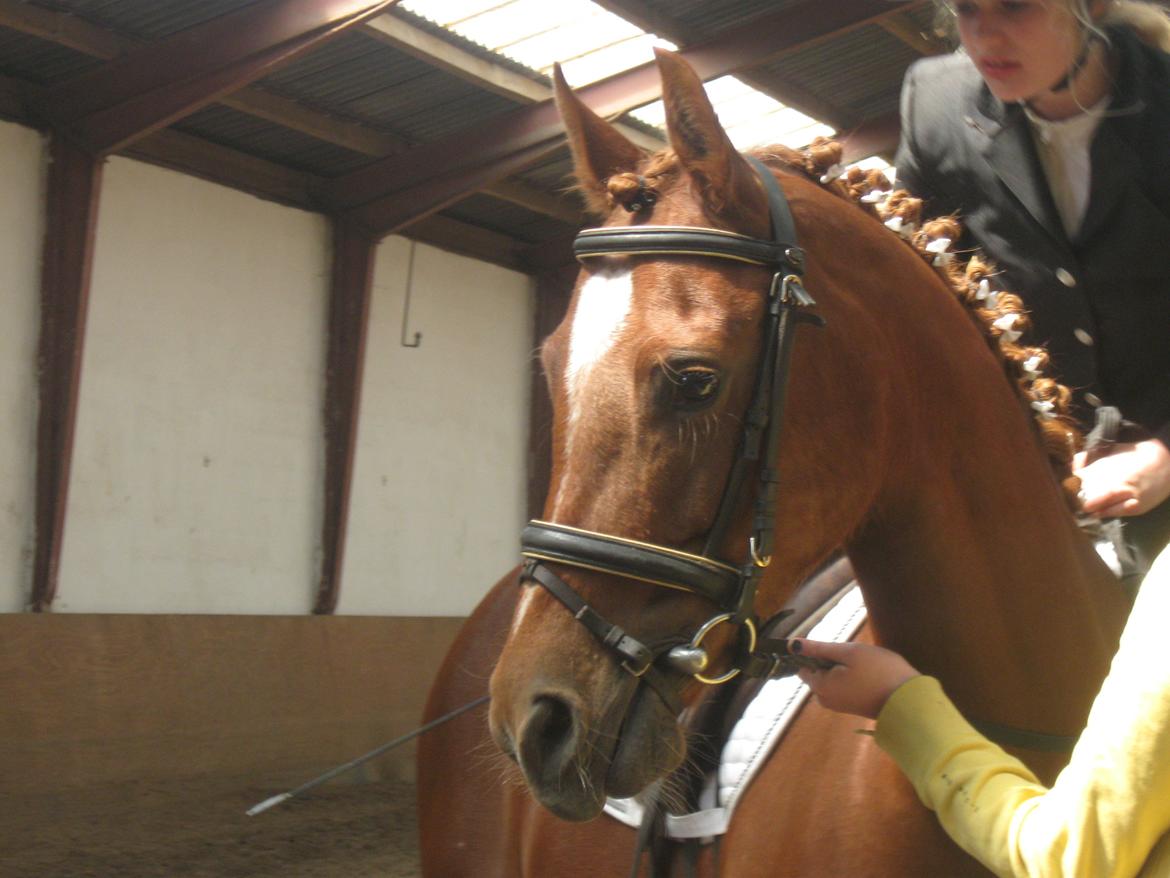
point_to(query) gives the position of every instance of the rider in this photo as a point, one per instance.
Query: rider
(1050, 135)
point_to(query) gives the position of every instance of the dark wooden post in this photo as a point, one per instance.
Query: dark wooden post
(349, 313)
(70, 217)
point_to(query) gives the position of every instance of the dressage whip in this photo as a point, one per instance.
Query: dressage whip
(349, 766)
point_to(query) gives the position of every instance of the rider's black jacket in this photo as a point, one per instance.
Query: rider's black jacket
(1100, 301)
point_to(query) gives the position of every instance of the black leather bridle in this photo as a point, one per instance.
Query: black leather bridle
(729, 586)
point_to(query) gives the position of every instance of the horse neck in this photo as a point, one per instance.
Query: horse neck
(976, 571)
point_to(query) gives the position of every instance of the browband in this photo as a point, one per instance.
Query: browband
(681, 241)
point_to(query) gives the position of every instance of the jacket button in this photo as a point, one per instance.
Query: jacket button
(1065, 277)
(1083, 337)
(1093, 400)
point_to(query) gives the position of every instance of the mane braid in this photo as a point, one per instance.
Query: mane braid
(999, 315)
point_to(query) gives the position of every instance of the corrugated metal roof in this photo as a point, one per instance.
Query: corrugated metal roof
(39, 61)
(508, 219)
(461, 42)
(589, 41)
(709, 17)
(247, 133)
(345, 69)
(859, 72)
(461, 113)
(151, 20)
(553, 173)
(362, 78)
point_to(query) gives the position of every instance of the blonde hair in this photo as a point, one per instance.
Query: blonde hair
(1149, 20)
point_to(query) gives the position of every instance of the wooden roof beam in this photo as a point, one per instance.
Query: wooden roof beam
(162, 81)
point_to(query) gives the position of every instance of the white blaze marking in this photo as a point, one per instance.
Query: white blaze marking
(522, 608)
(602, 307)
(603, 304)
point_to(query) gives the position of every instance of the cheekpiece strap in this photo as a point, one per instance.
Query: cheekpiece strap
(783, 226)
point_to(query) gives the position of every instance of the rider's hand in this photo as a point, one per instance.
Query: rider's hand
(864, 677)
(1131, 480)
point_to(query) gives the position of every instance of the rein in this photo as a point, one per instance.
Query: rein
(730, 587)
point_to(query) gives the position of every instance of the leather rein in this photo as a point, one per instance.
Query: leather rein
(729, 586)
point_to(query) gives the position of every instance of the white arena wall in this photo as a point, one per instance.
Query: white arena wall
(197, 472)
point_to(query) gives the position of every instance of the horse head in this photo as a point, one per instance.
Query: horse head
(653, 374)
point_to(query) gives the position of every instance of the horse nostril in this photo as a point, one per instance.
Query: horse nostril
(551, 720)
(548, 738)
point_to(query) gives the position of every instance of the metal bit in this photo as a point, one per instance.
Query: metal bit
(688, 659)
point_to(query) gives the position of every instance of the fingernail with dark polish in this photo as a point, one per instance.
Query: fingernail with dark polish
(796, 646)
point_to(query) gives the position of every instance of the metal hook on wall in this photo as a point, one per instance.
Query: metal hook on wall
(406, 303)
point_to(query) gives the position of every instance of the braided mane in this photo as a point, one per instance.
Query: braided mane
(998, 314)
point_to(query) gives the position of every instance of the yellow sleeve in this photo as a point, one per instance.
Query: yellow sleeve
(1107, 815)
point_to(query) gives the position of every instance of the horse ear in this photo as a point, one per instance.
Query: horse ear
(599, 150)
(703, 147)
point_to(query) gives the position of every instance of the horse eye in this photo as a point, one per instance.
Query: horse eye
(694, 386)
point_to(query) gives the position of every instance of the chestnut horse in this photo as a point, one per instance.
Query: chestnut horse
(902, 441)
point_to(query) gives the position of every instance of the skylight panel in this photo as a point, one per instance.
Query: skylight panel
(572, 40)
(750, 117)
(508, 24)
(613, 59)
(449, 13)
(591, 43)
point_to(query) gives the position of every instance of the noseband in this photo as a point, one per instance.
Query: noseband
(730, 587)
